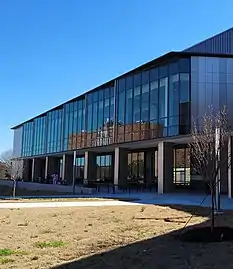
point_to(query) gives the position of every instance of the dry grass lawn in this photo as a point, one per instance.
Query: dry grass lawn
(106, 237)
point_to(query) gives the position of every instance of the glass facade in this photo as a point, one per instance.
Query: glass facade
(154, 103)
(27, 139)
(148, 104)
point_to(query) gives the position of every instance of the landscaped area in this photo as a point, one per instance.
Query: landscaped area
(107, 237)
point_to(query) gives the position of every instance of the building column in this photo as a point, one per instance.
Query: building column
(165, 167)
(33, 169)
(230, 167)
(89, 166)
(149, 159)
(67, 168)
(46, 167)
(120, 166)
(224, 164)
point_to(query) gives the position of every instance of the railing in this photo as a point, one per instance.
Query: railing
(126, 187)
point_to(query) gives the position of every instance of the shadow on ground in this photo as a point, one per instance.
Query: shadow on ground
(163, 252)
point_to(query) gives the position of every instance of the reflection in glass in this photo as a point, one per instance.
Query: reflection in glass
(149, 104)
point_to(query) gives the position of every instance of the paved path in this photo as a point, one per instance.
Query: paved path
(64, 204)
(140, 199)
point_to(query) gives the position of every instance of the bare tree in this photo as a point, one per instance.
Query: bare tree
(13, 168)
(210, 137)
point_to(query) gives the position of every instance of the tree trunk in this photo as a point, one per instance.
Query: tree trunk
(14, 188)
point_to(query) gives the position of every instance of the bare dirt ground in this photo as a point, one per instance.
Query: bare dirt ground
(107, 237)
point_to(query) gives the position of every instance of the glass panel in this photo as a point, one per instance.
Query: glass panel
(154, 74)
(145, 77)
(129, 82)
(184, 65)
(174, 100)
(184, 88)
(163, 101)
(154, 92)
(145, 103)
(129, 106)
(137, 104)
(95, 117)
(89, 118)
(137, 79)
(121, 85)
(121, 108)
(101, 115)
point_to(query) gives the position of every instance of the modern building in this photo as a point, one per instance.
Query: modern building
(137, 124)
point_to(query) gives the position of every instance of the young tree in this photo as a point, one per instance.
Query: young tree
(210, 137)
(13, 168)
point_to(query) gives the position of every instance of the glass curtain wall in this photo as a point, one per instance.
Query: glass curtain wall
(149, 104)
(39, 135)
(74, 127)
(54, 137)
(27, 139)
(100, 117)
(154, 103)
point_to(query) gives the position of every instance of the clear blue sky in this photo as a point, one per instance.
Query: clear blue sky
(53, 50)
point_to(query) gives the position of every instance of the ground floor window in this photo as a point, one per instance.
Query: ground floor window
(104, 168)
(136, 165)
(181, 167)
(79, 171)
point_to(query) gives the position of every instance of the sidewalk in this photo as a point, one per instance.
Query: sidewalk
(140, 199)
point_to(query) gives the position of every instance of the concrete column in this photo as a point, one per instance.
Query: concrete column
(67, 168)
(74, 171)
(120, 166)
(165, 167)
(33, 169)
(149, 158)
(224, 163)
(230, 167)
(89, 166)
(46, 167)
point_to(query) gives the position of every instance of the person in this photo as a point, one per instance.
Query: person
(54, 178)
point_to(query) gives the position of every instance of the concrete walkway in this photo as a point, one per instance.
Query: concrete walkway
(139, 199)
(63, 204)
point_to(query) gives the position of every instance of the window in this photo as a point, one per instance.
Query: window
(121, 108)
(129, 106)
(154, 95)
(174, 100)
(184, 88)
(137, 104)
(163, 101)
(145, 103)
